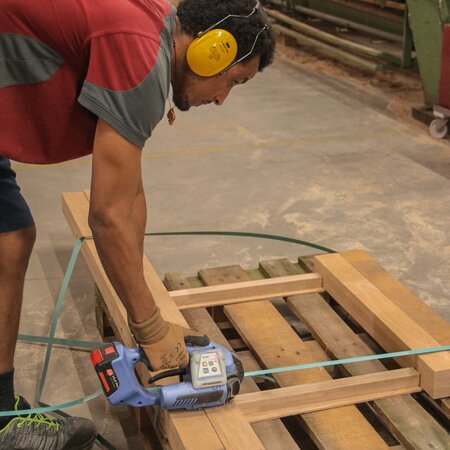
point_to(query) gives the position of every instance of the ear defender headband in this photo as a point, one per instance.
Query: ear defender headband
(214, 50)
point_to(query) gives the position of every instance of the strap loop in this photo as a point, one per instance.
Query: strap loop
(52, 340)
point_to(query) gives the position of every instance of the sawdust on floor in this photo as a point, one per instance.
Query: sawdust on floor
(402, 86)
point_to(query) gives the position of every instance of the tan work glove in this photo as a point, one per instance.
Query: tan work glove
(164, 343)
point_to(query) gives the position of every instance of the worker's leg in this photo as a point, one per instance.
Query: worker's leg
(15, 250)
(17, 235)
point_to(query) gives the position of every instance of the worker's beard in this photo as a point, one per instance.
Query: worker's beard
(181, 101)
(179, 86)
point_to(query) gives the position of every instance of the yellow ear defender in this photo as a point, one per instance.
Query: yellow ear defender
(214, 50)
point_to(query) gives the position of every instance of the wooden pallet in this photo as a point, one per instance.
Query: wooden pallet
(313, 408)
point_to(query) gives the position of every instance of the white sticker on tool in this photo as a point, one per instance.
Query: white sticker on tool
(208, 368)
(209, 365)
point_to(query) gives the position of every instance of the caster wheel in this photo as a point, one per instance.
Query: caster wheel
(439, 128)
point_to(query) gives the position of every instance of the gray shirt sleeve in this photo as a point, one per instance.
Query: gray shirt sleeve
(127, 84)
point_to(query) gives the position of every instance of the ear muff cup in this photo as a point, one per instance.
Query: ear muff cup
(212, 52)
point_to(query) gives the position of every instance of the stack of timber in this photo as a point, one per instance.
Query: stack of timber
(279, 315)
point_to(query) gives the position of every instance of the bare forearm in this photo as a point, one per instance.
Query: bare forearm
(120, 251)
(117, 218)
(139, 217)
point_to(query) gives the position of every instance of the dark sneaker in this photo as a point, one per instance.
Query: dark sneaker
(39, 432)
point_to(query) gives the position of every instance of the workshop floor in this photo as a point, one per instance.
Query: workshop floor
(294, 153)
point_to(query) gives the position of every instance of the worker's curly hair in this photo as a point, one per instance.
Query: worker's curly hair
(198, 15)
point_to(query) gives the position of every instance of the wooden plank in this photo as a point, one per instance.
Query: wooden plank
(187, 430)
(272, 434)
(246, 291)
(446, 407)
(178, 428)
(227, 420)
(433, 323)
(251, 364)
(176, 432)
(402, 415)
(275, 344)
(145, 432)
(428, 319)
(328, 394)
(76, 209)
(385, 322)
(224, 325)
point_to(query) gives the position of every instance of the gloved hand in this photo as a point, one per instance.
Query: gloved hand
(164, 342)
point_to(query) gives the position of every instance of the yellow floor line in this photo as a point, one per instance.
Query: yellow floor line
(225, 148)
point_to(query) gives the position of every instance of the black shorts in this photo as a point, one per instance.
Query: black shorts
(14, 211)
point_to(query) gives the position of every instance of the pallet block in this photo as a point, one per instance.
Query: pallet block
(321, 404)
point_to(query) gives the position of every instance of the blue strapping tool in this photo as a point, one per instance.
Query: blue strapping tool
(212, 378)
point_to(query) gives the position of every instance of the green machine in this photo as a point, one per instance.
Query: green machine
(426, 20)
(430, 24)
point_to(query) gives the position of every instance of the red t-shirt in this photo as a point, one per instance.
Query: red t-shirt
(67, 62)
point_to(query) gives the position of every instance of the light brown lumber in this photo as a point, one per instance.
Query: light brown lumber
(248, 360)
(445, 406)
(193, 430)
(402, 415)
(433, 323)
(75, 207)
(273, 433)
(246, 291)
(385, 321)
(328, 394)
(224, 325)
(428, 319)
(275, 344)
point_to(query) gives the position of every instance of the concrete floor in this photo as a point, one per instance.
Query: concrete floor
(292, 153)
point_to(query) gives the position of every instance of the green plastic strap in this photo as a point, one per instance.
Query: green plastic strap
(56, 313)
(422, 351)
(51, 340)
(88, 345)
(257, 373)
(244, 234)
(25, 412)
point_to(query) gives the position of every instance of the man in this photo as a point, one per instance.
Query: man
(80, 77)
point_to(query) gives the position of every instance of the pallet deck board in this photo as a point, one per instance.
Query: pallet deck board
(327, 394)
(399, 414)
(273, 433)
(245, 291)
(276, 344)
